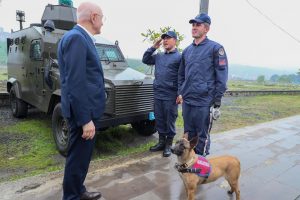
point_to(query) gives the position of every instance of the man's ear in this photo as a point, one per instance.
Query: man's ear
(193, 142)
(186, 136)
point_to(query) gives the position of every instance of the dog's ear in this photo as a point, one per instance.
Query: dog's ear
(194, 142)
(186, 136)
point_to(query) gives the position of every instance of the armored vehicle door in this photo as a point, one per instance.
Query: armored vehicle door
(36, 72)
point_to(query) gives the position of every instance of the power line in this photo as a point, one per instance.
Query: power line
(270, 20)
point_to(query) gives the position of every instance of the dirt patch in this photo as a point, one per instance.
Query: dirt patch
(11, 141)
(6, 117)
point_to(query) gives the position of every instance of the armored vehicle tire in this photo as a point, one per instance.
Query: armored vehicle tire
(145, 127)
(60, 130)
(18, 106)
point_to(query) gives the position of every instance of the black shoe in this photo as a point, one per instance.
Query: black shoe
(160, 145)
(167, 151)
(90, 195)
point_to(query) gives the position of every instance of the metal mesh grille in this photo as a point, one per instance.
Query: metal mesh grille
(134, 99)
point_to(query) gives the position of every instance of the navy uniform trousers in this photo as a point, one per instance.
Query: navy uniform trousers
(196, 122)
(76, 167)
(166, 112)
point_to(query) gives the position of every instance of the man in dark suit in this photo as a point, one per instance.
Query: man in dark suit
(82, 97)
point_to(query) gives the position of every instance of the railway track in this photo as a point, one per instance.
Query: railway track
(4, 97)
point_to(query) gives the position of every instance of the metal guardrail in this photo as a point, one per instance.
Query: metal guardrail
(236, 93)
(4, 96)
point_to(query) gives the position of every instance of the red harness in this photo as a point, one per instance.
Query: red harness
(203, 165)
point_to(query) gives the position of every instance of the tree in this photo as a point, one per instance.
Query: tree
(284, 79)
(274, 78)
(153, 35)
(261, 79)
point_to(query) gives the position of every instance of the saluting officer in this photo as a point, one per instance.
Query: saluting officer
(165, 89)
(202, 78)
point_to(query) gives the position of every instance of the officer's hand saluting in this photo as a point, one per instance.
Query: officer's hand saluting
(157, 43)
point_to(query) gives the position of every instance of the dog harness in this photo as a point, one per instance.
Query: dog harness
(201, 167)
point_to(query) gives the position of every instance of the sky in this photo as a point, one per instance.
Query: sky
(248, 37)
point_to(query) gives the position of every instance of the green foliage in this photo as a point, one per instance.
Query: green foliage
(27, 147)
(119, 141)
(286, 79)
(239, 112)
(260, 79)
(152, 35)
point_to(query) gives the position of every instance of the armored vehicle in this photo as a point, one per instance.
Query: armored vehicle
(33, 77)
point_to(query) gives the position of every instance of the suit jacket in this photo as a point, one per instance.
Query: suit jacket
(81, 76)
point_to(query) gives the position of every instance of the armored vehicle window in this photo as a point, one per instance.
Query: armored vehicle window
(109, 53)
(17, 41)
(35, 50)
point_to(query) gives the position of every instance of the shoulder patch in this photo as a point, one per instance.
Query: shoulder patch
(221, 51)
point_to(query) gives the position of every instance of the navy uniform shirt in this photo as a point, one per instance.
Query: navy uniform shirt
(203, 73)
(166, 72)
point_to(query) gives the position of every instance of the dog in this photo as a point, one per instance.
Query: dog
(221, 166)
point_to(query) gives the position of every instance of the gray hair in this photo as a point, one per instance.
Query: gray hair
(207, 25)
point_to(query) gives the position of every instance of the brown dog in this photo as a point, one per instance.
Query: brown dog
(226, 166)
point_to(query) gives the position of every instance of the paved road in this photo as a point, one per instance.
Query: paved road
(269, 155)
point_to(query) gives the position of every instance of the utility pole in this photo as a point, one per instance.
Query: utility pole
(204, 6)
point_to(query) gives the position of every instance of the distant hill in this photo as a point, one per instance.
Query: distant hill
(247, 72)
(236, 71)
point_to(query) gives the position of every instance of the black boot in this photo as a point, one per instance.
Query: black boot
(160, 145)
(167, 150)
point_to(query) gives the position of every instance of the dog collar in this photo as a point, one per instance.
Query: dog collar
(201, 167)
(190, 162)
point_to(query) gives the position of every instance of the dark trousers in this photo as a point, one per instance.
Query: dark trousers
(196, 122)
(77, 162)
(166, 112)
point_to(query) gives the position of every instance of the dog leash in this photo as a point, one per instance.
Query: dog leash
(214, 114)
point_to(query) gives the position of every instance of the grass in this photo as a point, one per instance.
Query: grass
(253, 85)
(252, 110)
(120, 141)
(246, 111)
(28, 148)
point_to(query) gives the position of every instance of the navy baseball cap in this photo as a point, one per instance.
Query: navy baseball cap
(201, 18)
(171, 34)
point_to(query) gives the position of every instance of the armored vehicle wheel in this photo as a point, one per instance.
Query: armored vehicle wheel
(18, 106)
(145, 127)
(60, 130)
